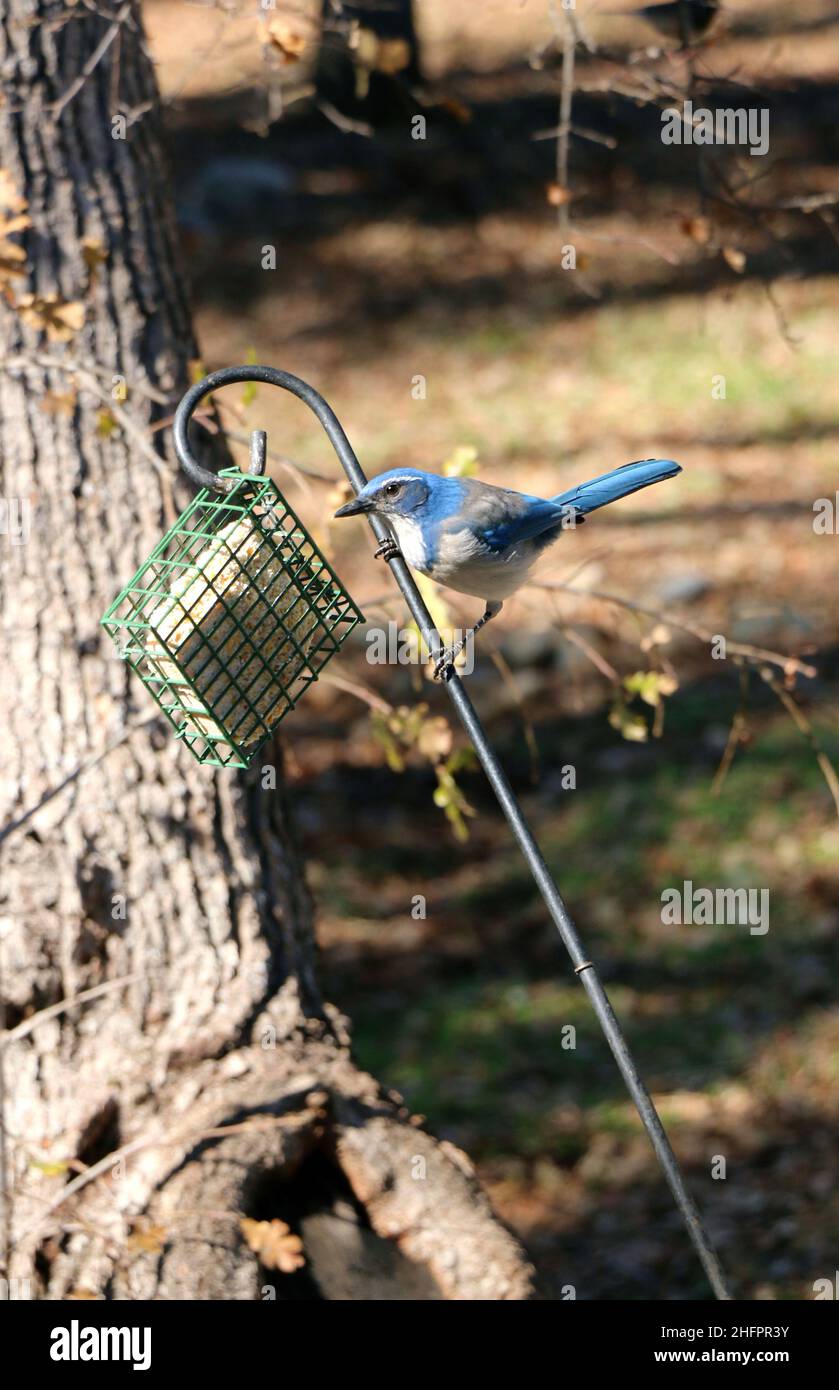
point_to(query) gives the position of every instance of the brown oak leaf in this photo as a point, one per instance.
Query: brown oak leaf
(273, 1242)
(288, 41)
(94, 255)
(148, 1238)
(384, 55)
(55, 316)
(9, 196)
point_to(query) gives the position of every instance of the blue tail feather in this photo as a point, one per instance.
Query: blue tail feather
(599, 492)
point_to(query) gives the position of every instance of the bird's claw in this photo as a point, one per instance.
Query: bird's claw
(444, 665)
(388, 550)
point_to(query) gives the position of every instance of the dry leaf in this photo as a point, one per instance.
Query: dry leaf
(150, 1239)
(394, 55)
(18, 223)
(698, 229)
(273, 1242)
(82, 1294)
(458, 109)
(734, 258)
(59, 402)
(287, 40)
(435, 739)
(9, 196)
(658, 637)
(383, 55)
(12, 260)
(55, 316)
(557, 195)
(94, 255)
(12, 256)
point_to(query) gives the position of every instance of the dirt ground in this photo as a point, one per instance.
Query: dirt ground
(441, 259)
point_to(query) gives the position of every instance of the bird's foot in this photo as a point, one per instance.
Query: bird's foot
(444, 665)
(388, 550)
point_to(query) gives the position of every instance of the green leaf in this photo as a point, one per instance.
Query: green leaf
(51, 1170)
(105, 424)
(631, 726)
(652, 686)
(463, 463)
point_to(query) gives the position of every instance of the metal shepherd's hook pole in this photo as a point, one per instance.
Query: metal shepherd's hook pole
(583, 967)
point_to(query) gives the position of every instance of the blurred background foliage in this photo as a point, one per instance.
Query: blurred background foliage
(441, 258)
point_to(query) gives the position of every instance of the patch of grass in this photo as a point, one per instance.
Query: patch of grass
(481, 1044)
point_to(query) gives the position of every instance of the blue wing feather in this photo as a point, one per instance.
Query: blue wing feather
(599, 492)
(521, 519)
(535, 517)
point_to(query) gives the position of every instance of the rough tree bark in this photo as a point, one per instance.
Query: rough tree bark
(209, 1068)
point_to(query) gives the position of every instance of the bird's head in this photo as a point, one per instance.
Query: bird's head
(400, 492)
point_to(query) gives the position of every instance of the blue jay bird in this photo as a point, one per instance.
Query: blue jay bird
(479, 539)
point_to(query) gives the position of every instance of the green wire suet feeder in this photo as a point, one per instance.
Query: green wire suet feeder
(232, 616)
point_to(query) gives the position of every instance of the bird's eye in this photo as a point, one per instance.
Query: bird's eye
(392, 489)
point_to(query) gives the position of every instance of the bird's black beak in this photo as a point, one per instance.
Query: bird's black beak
(353, 508)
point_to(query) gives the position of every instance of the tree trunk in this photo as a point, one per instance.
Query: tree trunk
(142, 1123)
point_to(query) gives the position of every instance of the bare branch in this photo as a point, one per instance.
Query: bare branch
(54, 1010)
(93, 61)
(744, 649)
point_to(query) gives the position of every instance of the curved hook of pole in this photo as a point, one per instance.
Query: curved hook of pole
(269, 376)
(272, 376)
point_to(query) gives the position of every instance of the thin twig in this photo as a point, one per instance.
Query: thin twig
(81, 771)
(503, 667)
(602, 665)
(582, 132)
(93, 61)
(346, 124)
(43, 1015)
(88, 379)
(735, 736)
(744, 649)
(566, 102)
(807, 731)
(361, 692)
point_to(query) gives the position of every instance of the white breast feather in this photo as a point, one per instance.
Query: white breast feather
(463, 563)
(411, 543)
